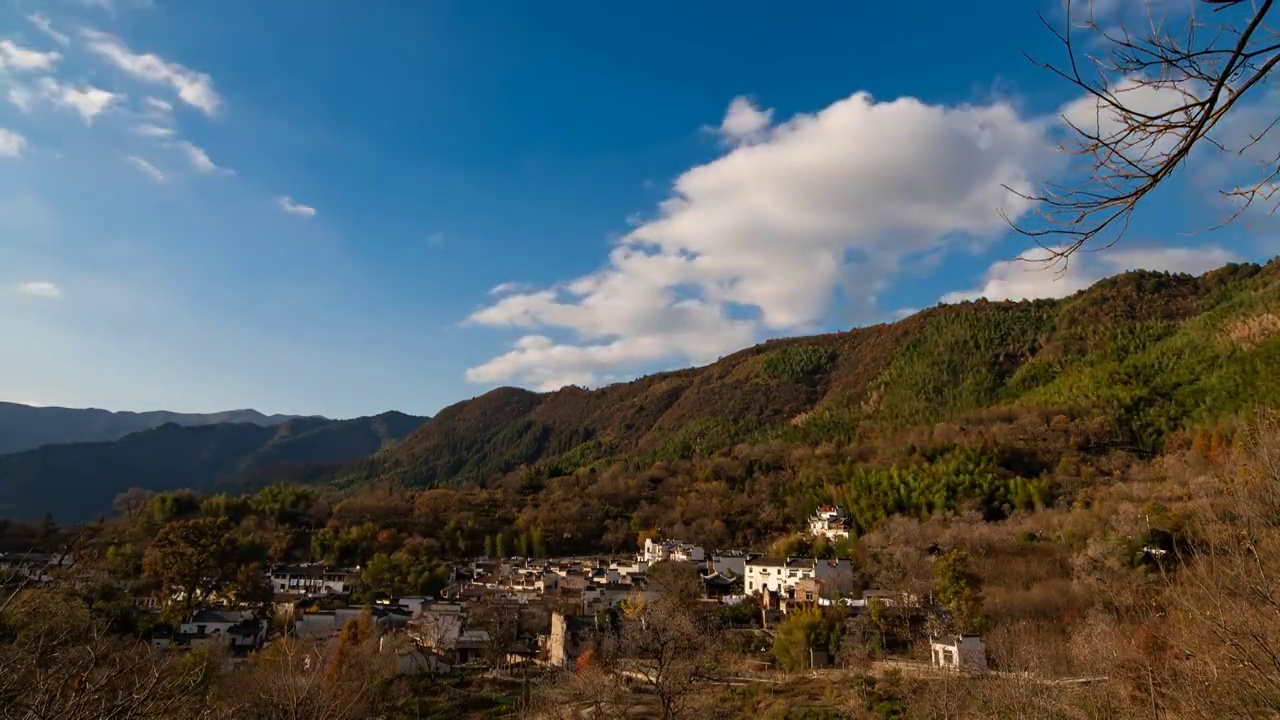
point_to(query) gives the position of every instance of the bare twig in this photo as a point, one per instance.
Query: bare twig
(1157, 96)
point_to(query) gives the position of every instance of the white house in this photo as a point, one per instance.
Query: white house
(780, 575)
(659, 550)
(959, 652)
(234, 628)
(214, 621)
(829, 522)
(312, 579)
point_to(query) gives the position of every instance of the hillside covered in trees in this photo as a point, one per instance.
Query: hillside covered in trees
(995, 403)
(1146, 354)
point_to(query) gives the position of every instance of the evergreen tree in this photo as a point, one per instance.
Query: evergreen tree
(959, 590)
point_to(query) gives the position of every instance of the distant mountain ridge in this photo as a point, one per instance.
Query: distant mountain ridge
(23, 427)
(77, 481)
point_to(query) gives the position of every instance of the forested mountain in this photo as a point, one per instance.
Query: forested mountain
(1149, 353)
(23, 427)
(77, 481)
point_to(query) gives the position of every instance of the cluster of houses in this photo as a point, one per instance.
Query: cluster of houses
(523, 610)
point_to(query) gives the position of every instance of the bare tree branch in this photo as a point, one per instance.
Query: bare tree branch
(1157, 95)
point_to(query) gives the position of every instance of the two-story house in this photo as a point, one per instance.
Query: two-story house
(780, 575)
(313, 579)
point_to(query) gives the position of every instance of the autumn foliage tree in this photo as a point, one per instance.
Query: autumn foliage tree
(192, 559)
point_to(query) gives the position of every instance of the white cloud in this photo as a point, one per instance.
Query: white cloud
(111, 6)
(44, 25)
(155, 131)
(435, 239)
(744, 122)
(87, 101)
(147, 168)
(11, 143)
(198, 157)
(158, 106)
(194, 88)
(38, 288)
(22, 97)
(288, 205)
(507, 288)
(758, 241)
(1111, 14)
(1099, 117)
(16, 57)
(1032, 276)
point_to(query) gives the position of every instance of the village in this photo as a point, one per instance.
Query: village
(508, 613)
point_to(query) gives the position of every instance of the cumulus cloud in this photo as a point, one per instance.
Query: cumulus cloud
(197, 156)
(155, 131)
(288, 205)
(11, 143)
(147, 168)
(1032, 276)
(758, 241)
(44, 25)
(193, 88)
(1098, 117)
(16, 57)
(744, 122)
(39, 289)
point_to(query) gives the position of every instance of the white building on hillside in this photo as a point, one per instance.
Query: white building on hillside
(312, 579)
(829, 522)
(780, 575)
(659, 550)
(959, 652)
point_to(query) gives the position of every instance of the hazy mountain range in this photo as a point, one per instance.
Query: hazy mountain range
(76, 481)
(23, 427)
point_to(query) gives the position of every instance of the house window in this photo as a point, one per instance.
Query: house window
(948, 657)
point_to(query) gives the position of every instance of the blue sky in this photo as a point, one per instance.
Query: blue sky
(322, 208)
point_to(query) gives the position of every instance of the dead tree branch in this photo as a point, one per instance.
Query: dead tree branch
(1150, 99)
